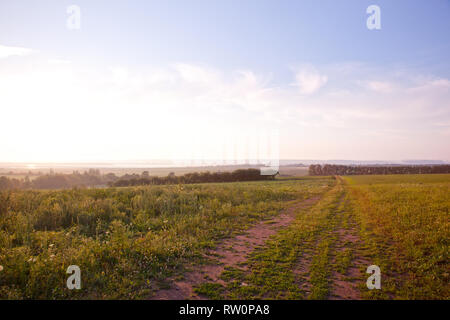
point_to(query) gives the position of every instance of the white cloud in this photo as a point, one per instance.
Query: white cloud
(59, 61)
(119, 74)
(196, 74)
(309, 80)
(380, 86)
(151, 112)
(431, 84)
(6, 51)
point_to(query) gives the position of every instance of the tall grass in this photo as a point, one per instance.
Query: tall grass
(126, 241)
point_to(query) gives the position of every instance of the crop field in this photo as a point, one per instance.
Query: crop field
(299, 238)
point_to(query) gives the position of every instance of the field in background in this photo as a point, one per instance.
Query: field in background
(303, 238)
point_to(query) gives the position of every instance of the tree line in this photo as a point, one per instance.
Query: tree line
(94, 178)
(330, 169)
(90, 178)
(196, 177)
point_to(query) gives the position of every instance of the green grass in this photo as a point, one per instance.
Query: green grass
(127, 241)
(210, 290)
(405, 224)
(272, 268)
(344, 259)
(398, 179)
(402, 225)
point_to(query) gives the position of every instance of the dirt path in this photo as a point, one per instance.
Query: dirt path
(346, 275)
(342, 264)
(302, 269)
(231, 253)
(345, 282)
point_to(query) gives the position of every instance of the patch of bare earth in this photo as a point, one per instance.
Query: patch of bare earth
(345, 285)
(302, 270)
(231, 253)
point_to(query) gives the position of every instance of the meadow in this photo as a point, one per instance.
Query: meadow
(126, 241)
(397, 222)
(405, 221)
(298, 238)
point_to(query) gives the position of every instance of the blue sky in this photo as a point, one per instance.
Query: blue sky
(311, 69)
(261, 35)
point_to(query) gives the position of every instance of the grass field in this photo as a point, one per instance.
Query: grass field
(305, 238)
(406, 227)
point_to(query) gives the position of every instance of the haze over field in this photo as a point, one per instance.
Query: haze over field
(202, 80)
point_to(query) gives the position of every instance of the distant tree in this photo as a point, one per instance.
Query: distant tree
(4, 183)
(27, 182)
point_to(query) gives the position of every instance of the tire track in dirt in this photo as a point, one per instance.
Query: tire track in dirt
(231, 253)
(344, 284)
(344, 277)
(302, 269)
(310, 266)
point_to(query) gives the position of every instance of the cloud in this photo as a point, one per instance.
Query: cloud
(59, 61)
(196, 74)
(432, 84)
(153, 111)
(380, 86)
(119, 74)
(6, 52)
(309, 80)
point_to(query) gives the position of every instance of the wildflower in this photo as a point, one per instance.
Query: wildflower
(51, 245)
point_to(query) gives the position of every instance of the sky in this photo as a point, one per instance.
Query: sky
(138, 80)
